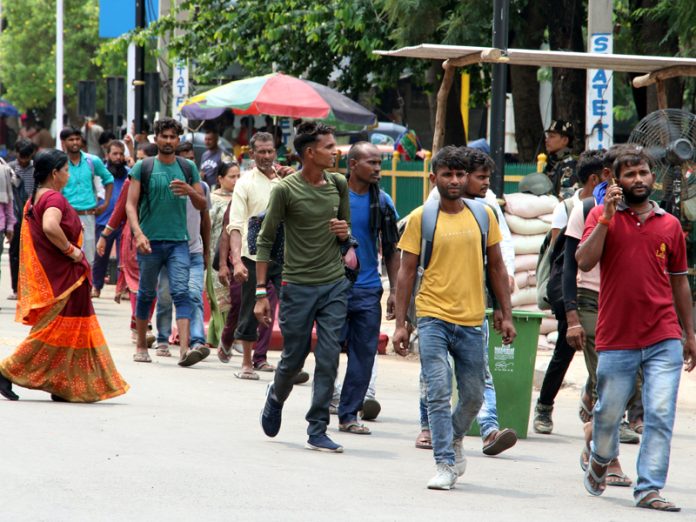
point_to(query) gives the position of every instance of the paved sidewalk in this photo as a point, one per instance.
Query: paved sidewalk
(186, 444)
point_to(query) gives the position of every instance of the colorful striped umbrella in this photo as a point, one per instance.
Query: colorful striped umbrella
(277, 95)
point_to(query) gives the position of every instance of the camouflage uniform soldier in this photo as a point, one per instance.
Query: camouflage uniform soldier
(560, 165)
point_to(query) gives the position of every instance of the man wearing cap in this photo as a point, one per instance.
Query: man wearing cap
(560, 165)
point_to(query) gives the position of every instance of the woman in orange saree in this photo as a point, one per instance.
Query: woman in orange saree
(65, 353)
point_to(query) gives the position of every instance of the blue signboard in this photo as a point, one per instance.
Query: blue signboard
(117, 17)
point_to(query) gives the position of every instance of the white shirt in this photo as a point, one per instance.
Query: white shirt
(559, 218)
(250, 198)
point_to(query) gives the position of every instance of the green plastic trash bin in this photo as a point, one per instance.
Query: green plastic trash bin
(512, 368)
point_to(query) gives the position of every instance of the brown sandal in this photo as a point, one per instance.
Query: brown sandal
(424, 440)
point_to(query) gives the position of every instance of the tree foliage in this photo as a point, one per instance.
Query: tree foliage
(27, 50)
(323, 41)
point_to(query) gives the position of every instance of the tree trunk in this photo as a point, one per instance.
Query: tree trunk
(529, 128)
(648, 35)
(565, 34)
(455, 134)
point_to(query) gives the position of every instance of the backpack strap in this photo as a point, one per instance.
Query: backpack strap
(587, 205)
(431, 209)
(483, 221)
(146, 166)
(185, 167)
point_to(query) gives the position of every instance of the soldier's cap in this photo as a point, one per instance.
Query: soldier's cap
(563, 127)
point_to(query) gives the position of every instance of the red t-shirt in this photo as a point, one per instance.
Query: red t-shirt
(636, 307)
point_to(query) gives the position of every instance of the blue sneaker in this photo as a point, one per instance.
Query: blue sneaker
(323, 443)
(272, 414)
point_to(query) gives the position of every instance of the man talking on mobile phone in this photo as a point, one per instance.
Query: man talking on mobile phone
(644, 313)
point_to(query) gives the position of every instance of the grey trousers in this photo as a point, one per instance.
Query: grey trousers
(301, 306)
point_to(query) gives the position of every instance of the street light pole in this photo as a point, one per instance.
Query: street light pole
(501, 10)
(139, 81)
(59, 71)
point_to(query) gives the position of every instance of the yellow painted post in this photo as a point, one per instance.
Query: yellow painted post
(395, 162)
(541, 162)
(426, 175)
(464, 102)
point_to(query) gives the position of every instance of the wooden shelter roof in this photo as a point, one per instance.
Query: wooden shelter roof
(459, 55)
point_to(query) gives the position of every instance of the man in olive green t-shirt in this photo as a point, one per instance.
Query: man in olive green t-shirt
(314, 206)
(158, 222)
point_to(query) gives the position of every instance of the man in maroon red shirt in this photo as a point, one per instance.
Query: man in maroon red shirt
(644, 296)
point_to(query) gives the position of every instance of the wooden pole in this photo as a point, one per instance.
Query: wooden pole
(661, 95)
(663, 74)
(441, 113)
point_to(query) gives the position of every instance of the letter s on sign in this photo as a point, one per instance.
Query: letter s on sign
(601, 44)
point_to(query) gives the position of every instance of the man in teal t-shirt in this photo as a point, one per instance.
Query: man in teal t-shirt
(80, 191)
(158, 222)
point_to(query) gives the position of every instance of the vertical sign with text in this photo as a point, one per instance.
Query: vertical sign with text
(599, 111)
(180, 89)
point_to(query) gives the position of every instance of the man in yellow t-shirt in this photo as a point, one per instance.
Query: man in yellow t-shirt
(450, 308)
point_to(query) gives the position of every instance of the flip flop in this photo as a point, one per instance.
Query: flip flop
(224, 354)
(622, 480)
(265, 366)
(163, 351)
(424, 441)
(648, 504)
(355, 428)
(247, 376)
(192, 357)
(142, 357)
(584, 412)
(505, 439)
(599, 479)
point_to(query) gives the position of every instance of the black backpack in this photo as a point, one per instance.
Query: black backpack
(146, 166)
(554, 289)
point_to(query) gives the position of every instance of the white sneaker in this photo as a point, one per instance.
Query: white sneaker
(459, 458)
(445, 478)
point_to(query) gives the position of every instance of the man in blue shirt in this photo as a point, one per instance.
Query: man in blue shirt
(374, 226)
(80, 191)
(116, 165)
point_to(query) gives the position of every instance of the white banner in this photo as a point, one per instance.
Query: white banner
(599, 111)
(180, 89)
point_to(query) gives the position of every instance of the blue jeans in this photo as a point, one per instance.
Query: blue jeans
(361, 332)
(616, 378)
(164, 303)
(488, 414)
(174, 255)
(101, 263)
(438, 339)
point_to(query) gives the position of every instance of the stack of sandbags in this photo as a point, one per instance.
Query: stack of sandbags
(529, 219)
